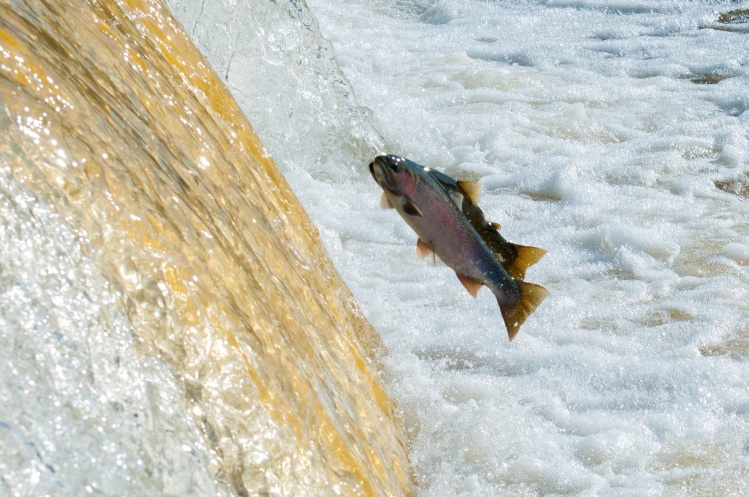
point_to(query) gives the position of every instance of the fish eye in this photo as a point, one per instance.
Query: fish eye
(395, 163)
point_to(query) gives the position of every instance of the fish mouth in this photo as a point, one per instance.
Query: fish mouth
(372, 171)
(382, 174)
(386, 170)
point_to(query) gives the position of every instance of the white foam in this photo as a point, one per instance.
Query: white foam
(594, 137)
(599, 131)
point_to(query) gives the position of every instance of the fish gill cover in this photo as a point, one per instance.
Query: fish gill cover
(170, 321)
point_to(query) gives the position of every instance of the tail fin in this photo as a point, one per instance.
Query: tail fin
(531, 297)
(527, 256)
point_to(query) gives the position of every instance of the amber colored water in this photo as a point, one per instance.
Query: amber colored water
(119, 145)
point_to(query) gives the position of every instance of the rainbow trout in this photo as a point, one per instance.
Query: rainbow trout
(513, 257)
(444, 229)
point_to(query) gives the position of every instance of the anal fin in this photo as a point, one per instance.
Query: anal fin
(472, 285)
(531, 297)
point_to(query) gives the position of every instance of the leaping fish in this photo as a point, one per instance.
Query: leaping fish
(443, 229)
(514, 258)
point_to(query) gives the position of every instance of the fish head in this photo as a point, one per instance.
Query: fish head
(396, 175)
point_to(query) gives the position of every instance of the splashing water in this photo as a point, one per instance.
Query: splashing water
(171, 324)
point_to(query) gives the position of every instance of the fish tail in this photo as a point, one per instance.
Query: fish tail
(526, 257)
(531, 297)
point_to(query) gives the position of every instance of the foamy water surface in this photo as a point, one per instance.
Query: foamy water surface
(614, 135)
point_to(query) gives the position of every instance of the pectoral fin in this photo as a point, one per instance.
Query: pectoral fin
(410, 209)
(526, 257)
(423, 249)
(385, 202)
(473, 286)
(531, 297)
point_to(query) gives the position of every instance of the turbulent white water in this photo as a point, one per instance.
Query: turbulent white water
(612, 134)
(596, 135)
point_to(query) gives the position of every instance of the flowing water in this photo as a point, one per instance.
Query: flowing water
(612, 134)
(170, 322)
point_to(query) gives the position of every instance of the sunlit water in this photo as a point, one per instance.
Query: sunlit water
(170, 324)
(614, 135)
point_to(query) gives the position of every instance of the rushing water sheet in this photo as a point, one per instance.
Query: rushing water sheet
(612, 134)
(171, 324)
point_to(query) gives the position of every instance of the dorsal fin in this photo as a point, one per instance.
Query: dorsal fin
(473, 286)
(497, 226)
(423, 249)
(526, 257)
(472, 189)
(531, 297)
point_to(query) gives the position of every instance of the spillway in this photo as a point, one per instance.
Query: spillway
(171, 324)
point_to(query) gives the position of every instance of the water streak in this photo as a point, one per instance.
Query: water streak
(176, 327)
